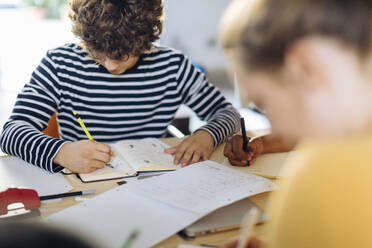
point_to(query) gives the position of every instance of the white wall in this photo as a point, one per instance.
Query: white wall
(192, 26)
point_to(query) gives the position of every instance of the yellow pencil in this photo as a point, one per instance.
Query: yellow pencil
(87, 132)
(83, 126)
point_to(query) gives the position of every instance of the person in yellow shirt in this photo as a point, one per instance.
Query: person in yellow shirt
(308, 63)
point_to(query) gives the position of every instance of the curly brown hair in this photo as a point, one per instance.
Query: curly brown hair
(116, 29)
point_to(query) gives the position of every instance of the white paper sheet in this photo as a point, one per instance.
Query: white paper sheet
(202, 187)
(15, 172)
(110, 217)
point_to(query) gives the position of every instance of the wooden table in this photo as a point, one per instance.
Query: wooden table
(100, 187)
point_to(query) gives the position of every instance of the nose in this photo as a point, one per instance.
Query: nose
(110, 65)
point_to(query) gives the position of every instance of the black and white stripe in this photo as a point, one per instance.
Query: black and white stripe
(139, 103)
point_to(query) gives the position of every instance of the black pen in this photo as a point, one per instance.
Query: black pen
(50, 197)
(244, 134)
(245, 138)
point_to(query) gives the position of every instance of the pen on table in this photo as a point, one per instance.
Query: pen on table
(248, 223)
(86, 131)
(50, 197)
(130, 240)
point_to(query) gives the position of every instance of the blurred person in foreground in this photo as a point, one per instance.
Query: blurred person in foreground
(28, 234)
(308, 63)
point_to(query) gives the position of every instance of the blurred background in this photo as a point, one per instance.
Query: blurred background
(28, 28)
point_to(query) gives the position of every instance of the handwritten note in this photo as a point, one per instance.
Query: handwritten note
(202, 187)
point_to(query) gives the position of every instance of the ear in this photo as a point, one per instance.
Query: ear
(304, 64)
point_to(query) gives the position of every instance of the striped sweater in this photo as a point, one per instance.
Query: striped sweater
(139, 103)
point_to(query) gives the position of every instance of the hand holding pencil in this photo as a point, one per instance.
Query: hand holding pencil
(237, 156)
(242, 150)
(83, 156)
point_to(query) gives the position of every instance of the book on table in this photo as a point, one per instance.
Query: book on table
(132, 157)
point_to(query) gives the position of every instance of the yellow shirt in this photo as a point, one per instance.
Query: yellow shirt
(327, 199)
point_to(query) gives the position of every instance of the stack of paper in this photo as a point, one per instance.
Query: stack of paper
(161, 206)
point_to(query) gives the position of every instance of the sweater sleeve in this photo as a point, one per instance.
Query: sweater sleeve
(22, 134)
(207, 101)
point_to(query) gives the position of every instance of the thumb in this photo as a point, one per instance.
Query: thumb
(232, 244)
(171, 150)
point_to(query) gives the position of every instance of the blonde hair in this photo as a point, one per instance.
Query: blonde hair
(234, 21)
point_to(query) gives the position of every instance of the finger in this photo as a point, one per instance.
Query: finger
(254, 243)
(256, 146)
(96, 164)
(232, 244)
(179, 154)
(102, 147)
(252, 146)
(237, 145)
(227, 151)
(181, 148)
(253, 160)
(102, 156)
(195, 157)
(240, 163)
(187, 157)
(171, 150)
(206, 156)
(87, 170)
(250, 155)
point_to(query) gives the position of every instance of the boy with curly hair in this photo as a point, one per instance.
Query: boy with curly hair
(121, 83)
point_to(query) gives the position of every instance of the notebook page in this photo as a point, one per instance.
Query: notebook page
(202, 187)
(15, 172)
(140, 153)
(119, 163)
(118, 167)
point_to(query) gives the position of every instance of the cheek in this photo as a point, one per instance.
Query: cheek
(272, 102)
(282, 106)
(282, 110)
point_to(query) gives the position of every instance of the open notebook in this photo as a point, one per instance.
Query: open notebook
(131, 157)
